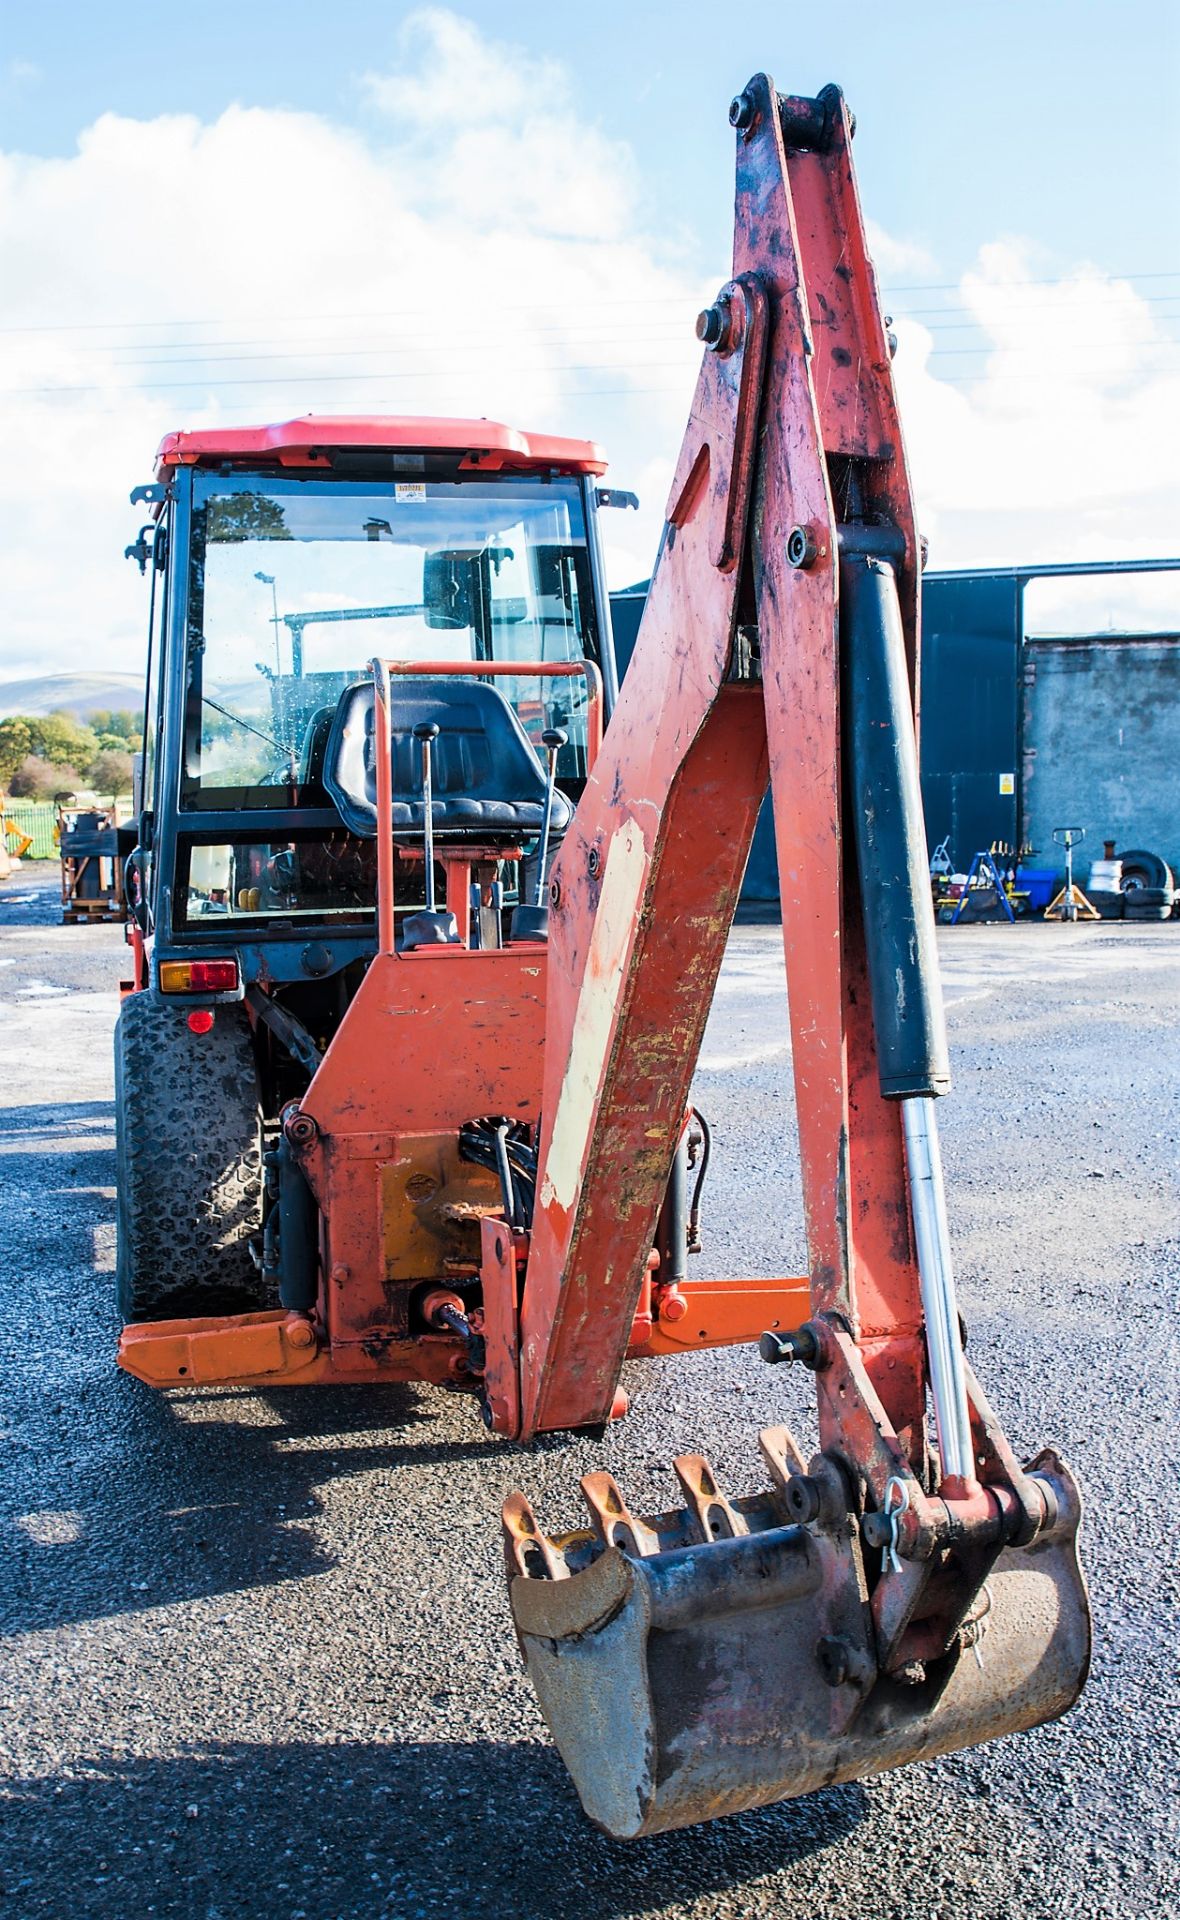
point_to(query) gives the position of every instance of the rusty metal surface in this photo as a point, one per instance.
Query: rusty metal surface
(701, 1680)
(644, 893)
(879, 1616)
(272, 1349)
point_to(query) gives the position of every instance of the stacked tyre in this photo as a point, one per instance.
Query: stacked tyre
(1148, 887)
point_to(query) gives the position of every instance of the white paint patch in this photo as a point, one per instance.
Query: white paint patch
(51, 1529)
(614, 923)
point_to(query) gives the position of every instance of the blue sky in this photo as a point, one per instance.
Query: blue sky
(1057, 119)
(253, 210)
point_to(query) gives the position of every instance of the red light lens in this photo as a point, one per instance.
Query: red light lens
(200, 1020)
(213, 976)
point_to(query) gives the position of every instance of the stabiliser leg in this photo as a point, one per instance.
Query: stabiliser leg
(885, 1601)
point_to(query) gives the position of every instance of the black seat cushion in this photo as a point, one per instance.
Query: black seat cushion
(489, 786)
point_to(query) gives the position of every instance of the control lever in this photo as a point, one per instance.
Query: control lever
(431, 928)
(531, 920)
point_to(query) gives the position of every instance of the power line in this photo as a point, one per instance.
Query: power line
(892, 291)
(214, 355)
(223, 352)
(297, 378)
(558, 395)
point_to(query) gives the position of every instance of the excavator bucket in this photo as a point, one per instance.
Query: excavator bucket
(723, 1657)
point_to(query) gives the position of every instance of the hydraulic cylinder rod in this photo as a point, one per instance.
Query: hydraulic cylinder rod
(908, 1018)
(948, 1385)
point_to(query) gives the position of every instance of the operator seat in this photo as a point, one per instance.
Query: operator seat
(489, 786)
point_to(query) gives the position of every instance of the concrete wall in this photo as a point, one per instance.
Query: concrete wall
(1102, 745)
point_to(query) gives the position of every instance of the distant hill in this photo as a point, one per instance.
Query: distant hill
(78, 693)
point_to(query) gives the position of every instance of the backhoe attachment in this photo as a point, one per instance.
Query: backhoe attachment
(901, 1594)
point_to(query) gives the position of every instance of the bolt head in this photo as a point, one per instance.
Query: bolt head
(801, 548)
(301, 1129)
(742, 112)
(712, 326)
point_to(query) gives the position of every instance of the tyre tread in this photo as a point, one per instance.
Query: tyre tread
(189, 1165)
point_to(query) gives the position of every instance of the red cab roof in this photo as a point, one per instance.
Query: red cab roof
(485, 444)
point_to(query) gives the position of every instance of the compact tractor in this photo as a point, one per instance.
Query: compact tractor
(427, 919)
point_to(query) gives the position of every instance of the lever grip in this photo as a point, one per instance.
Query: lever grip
(889, 833)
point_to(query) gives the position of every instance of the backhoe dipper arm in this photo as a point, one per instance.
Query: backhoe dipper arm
(736, 659)
(876, 1605)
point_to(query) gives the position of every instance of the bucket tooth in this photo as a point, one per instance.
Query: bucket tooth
(781, 1456)
(614, 1523)
(712, 1515)
(526, 1549)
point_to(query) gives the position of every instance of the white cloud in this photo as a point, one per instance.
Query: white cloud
(1042, 434)
(896, 259)
(459, 71)
(502, 274)
(502, 271)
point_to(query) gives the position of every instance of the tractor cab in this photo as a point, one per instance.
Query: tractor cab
(379, 670)
(461, 555)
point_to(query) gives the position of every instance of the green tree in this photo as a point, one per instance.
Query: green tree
(119, 723)
(62, 740)
(246, 516)
(110, 774)
(16, 741)
(111, 742)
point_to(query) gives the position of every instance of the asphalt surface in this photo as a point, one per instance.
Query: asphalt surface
(257, 1657)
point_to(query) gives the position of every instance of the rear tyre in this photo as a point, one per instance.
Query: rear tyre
(1149, 903)
(1141, 869)
(188, 1163)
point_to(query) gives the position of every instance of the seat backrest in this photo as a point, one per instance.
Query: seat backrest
(489, 785)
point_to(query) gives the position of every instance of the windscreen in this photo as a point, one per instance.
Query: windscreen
(296, 585)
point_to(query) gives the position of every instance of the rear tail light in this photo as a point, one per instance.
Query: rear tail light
(198, 976)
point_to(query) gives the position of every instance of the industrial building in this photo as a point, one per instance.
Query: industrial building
(1024, 732)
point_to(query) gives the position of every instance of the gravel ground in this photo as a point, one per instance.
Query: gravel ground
(256, 1655)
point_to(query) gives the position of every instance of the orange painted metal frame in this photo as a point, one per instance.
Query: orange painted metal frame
(485, 445)
(648, 876)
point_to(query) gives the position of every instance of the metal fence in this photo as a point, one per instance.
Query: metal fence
(37, 818)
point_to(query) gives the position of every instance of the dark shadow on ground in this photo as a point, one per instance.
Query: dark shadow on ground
(57, 1119)
(155, 1506)
(116, 1497)
(462, 1829)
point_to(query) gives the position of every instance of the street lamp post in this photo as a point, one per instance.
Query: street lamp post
(268, 580)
